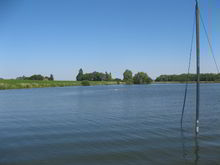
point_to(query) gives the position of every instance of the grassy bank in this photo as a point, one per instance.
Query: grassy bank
(20, 84)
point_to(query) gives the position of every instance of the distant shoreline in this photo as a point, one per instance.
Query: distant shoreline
(28, 84)
(183, 82)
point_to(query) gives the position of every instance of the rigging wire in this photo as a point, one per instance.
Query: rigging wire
(210, 45)
(187, 78)
(190, 56)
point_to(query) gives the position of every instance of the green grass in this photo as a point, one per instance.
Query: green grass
(21, 84)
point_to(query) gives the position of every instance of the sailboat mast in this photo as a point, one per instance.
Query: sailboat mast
(197, 66)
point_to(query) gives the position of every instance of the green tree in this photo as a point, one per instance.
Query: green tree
(98, 76)
(94, 76)
(79, 77)
(191, 77)
(21, 78)
(141, 78)
(36, 77)
(108, 76)
(127, 75)
(51, 78)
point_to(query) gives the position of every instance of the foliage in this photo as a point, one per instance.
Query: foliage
(141, 78)
(117, 79)
(80, 75)
(36, 77)
(108, 76)
(51, 78)
(21, 78)
(127, 75)
(192, 77)
(85, 83)
(94, 76)
(129, 82)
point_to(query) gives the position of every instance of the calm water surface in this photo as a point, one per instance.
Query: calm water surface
(108, 125)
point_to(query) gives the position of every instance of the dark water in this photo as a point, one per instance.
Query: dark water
(108, 125)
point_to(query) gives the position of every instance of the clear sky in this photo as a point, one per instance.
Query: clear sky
(62, 36)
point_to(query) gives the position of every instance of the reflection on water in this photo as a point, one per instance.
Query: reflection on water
(184, 151)
(108, 125)
(195, 148)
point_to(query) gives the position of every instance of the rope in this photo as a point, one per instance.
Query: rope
(190, 56)
(210, 45)
(187, 78)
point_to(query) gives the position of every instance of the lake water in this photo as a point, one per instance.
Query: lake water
(109, 125)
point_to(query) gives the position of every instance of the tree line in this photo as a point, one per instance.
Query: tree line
(128, 78)
(138, 78)
(36, 77)
(190, 77)
(94, 76)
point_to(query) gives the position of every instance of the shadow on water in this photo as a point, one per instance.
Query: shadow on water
(195, 148)
(183, 139)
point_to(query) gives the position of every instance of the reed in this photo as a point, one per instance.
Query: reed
(21, 84)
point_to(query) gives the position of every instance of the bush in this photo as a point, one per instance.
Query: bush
(85, 83)
(129, 82)
(36, 77)
(127, 75)
(94, 76)
(191, 77)
(141, 78)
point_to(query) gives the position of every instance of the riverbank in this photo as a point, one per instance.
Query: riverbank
(21, 84)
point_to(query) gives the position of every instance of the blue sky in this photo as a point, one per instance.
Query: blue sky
(62, 36)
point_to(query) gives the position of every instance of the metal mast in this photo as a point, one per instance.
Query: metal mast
(197, 66)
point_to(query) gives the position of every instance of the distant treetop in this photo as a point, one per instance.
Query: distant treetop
(94, 76)
(142, 78)
(127, 75)
(191, 77)
(36, 77)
